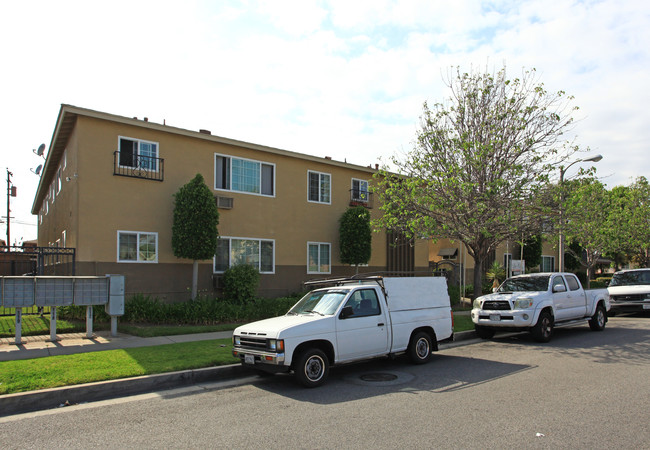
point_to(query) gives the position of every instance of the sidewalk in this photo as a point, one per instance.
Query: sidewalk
(68, 344)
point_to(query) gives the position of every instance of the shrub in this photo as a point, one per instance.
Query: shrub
(240, 283)
(605, 280)
(74, 312)
(454, 294)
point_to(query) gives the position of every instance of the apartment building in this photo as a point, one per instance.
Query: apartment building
(107, 190)
(453, 255)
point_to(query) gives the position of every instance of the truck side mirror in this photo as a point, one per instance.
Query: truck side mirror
(559, 288)
(346, 312)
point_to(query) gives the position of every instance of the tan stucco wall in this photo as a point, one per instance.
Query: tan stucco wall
(95, 205)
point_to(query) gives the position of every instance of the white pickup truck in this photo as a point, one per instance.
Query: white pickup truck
(629, 290)
(351, 320)
(538, 303)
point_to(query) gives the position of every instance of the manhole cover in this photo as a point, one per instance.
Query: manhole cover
(378, 377)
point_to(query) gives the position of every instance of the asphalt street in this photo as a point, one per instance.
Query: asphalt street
(584, 389)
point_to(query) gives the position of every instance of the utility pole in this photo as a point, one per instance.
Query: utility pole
(11, 192)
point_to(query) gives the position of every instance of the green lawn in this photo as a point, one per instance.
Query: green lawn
(54, 371)
(34, 325)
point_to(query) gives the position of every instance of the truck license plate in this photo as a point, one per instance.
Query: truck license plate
(646, 306)
(495, 317)
(249, 359)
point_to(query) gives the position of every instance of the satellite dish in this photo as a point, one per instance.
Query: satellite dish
(38, 169)
(41, 150)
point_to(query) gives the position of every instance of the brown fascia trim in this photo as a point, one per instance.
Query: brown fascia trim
(69, 112)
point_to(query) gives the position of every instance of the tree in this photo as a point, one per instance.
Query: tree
(495, 273)
(194, 230)
(630, 217)
(587, 210)
(355, 236)
(480, 164)
(532, 250)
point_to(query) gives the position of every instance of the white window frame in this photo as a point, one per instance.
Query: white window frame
(138, 234)
(320, 181)
(541, 266)
(367, 191)
(137, 152)
(229, 159)
(329, 255)
(230, 263)
(57, 186)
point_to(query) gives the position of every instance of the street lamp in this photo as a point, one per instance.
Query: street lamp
(563, 170)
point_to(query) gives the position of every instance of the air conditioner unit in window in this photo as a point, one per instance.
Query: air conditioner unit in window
(223, 202)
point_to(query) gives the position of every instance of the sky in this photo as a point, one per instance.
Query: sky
(345, 79)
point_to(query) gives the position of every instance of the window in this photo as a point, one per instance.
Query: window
(558, 281)
(319, 187)
(548, 264)
(139, 154)
(244, 175)
(318, 257)
(136, 246)
(359, 190)
(258, 253)
(57, 187)
(364, 302)
(572, 282)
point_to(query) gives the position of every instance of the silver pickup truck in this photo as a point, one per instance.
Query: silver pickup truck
(538, 303)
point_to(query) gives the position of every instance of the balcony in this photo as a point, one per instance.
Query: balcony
(359, 197)
(138, 166)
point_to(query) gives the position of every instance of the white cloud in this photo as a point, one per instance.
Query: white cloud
(338, 78)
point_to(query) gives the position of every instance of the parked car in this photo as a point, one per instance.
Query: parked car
(539, 303)
(350, 320)
(629, 290)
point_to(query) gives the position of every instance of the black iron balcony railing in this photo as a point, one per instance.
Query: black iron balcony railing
(360, 197)
(138, 166)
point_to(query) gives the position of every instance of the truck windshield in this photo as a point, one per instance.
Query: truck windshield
(638, 277)
(321, 302)
(525, 284)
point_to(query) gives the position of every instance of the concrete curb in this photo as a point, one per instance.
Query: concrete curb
(464, 335)
(30, 401)
(23, 402)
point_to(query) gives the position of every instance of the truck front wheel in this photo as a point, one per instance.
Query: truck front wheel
(598, 320)
(312, 368)
(543, 329)
(420, 348)
(484, 332)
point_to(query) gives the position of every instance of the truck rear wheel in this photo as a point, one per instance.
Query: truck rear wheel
(312, 368)
(484, 332)
(543, 329)
(419, 350)
(599, 319)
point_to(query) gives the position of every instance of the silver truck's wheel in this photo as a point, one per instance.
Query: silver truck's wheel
(599, 319)
(312, 368)
(484, 332)
(543, 329)
(420, 348)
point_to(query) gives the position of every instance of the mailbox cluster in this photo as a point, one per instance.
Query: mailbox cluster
(24, 292)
